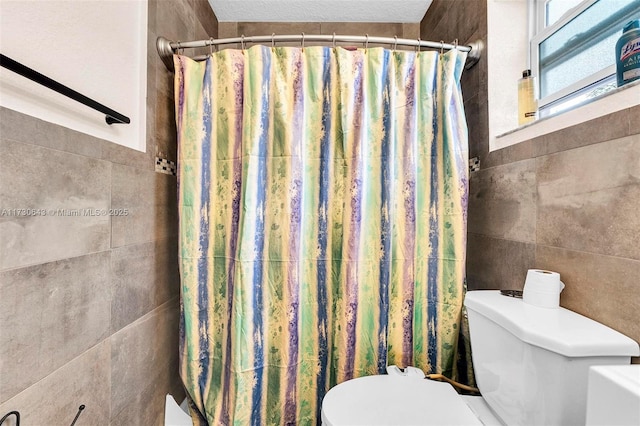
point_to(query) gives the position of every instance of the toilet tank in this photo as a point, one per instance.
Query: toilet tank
(531, 364)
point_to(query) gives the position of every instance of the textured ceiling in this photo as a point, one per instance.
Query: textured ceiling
(405, 11)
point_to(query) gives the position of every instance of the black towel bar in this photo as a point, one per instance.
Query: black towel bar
(111, 115)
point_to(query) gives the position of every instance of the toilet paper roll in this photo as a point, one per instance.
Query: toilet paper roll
(542, 288)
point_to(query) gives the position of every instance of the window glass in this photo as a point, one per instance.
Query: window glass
(554, 9)
(585, 45)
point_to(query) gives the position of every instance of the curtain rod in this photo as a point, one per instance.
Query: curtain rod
(111, 116)
(166, 48)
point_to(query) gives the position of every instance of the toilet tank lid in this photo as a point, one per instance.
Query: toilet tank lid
(558, 330)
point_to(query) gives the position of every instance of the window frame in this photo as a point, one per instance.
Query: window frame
(542, 33)
(509, 34)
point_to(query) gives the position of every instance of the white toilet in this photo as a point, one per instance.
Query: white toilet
(531, 366)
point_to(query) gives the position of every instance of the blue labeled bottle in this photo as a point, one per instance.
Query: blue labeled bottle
(628, 53)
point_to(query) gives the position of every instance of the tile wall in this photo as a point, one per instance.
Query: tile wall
(237, 29)
(89, 304)
(567, 201)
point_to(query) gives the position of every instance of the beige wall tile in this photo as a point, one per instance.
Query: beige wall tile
(280, 28)
(378, 29)
(476, 115)
(37, 177)
(32, 177)
(601, 129)
(494, 263)
(55, 399)
(144, 276)
(411, 30)
(166, 132)
(150, 198)
(470, 17)
(437, 12)
(200, 34)
(174, 20)
(510, 154)
(163, 87)
(147, 407)
(159, 80)
(588, 198)
(152, 11)
(23, 128)
(118, 154)
(206, 17)
(446, 29)
(502, 201)
(153, 64)
(470, 85)
(634, 121)
(227, 29)
(50, 314)
(375, 29)
(142, 354)
(603, 288)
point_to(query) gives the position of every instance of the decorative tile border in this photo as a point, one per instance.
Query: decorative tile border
(474, 164)
(165, 166)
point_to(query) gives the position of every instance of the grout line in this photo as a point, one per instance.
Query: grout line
(589, 253)
(145, 317)
(92, 157)
(501, 238)
(31, 265)
(106, 339)
(556, 247)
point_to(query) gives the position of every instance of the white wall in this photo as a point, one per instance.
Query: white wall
(507, 56)
(96, 47)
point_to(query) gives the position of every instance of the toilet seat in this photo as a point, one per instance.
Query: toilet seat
(391, 400)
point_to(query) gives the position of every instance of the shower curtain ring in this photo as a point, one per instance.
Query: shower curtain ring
(418, 45)
(366, 43)
(273, 39)
(178, 47)
(211, 46)
(303, 42)
(395, 44)
(334, 40)
(441, 47)
(455, 44)
(242, 41)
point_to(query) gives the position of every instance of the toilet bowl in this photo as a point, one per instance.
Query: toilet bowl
(613, 395)
(531, 366)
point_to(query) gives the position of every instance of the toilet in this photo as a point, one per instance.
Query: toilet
(531, 366)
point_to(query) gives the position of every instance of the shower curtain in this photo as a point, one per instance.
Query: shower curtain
(322, 204)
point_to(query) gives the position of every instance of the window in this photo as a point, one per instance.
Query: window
(573, 49)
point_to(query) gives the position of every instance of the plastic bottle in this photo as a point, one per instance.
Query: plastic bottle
(628, 53)
(527, 103)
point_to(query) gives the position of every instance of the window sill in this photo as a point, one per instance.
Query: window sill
(619, 99)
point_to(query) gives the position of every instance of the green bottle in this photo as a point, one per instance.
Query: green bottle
(628, 53)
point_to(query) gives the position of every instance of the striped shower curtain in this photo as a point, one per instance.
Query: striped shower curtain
(322, 201)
